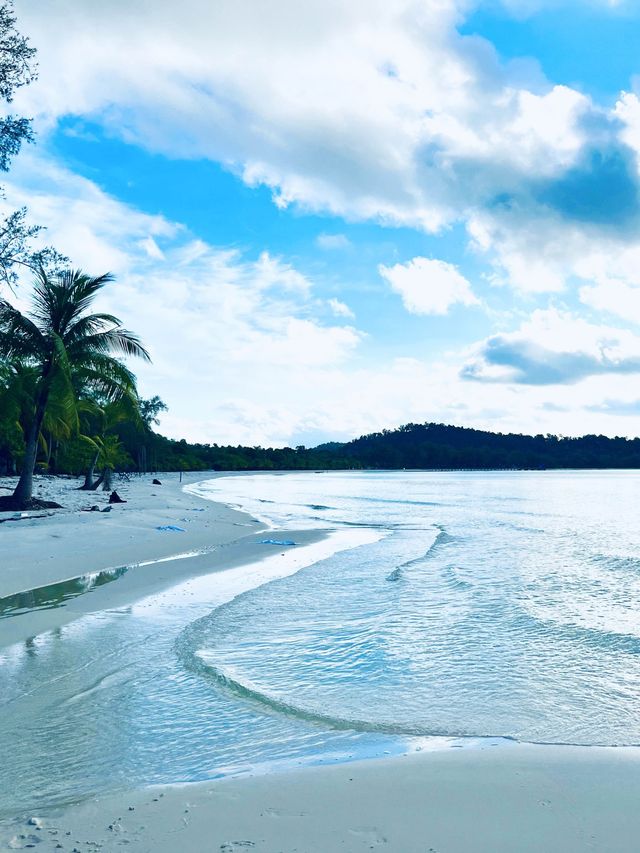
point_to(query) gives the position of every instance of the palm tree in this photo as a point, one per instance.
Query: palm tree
(106, 418)
(70, 348)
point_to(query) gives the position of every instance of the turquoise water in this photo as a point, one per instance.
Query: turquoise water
(499, 604)
(478, 608)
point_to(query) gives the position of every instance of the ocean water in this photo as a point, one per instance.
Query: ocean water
(444, 609)
(496, 605)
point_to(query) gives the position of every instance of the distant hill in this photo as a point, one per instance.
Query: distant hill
(425, 446)
(443, 447)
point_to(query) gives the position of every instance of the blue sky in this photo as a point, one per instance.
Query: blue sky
(328, 218)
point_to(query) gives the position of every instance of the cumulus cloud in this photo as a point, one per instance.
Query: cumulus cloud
(366, 110)
(429, 286)
(552, 348)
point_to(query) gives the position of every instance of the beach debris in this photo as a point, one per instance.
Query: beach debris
(114, 498)
(156, 482)
(19, 842)
(25, 516)
(36, 821)
(172, 527)
(277, 542)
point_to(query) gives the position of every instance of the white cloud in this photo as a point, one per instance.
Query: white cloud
(554, 348)
(613, 296)
(367, 109)
(429, 286)
(340, 309)
(95, 230)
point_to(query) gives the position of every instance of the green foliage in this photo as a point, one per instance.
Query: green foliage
(17, 69)
(70, 354)
(437, 446)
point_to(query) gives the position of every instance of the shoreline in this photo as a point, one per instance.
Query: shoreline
(71, 543)
(506, 797)
(526, 799)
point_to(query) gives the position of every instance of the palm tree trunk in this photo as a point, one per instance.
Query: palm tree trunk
(88, 477)
(107, 477)
(97, 483)
(23, 492)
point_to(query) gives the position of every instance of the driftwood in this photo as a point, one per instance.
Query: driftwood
(25, 517)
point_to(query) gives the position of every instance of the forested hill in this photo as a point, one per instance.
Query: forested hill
(441, 446)
(412, 446)
(426, 446)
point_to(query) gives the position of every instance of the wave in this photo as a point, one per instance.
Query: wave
(249, 692)
(442, 538)
(395, 501)
(453, 580)
(598, 638)
(266, 703)
(614, 563)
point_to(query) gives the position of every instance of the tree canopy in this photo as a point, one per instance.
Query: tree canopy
(72, 354)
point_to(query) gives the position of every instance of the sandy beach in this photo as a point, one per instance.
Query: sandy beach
(494, 799)
(498, 800)
(47, 547)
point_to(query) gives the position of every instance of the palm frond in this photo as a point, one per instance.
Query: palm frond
(61, 390)
(90, 324)
(19, 336)
(116, 340)
(59, 300)
(105, 376)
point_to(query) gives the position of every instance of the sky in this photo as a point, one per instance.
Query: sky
(332, 217)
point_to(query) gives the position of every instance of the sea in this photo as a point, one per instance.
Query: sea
(441, 610)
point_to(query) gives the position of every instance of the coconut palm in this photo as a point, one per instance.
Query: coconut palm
(105, 419)
(71, 348)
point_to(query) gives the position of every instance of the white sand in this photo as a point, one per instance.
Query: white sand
(500, 800)
(68, 543)
(494, 800)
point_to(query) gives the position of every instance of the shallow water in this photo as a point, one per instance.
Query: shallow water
(501, 605)
(56, 594)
